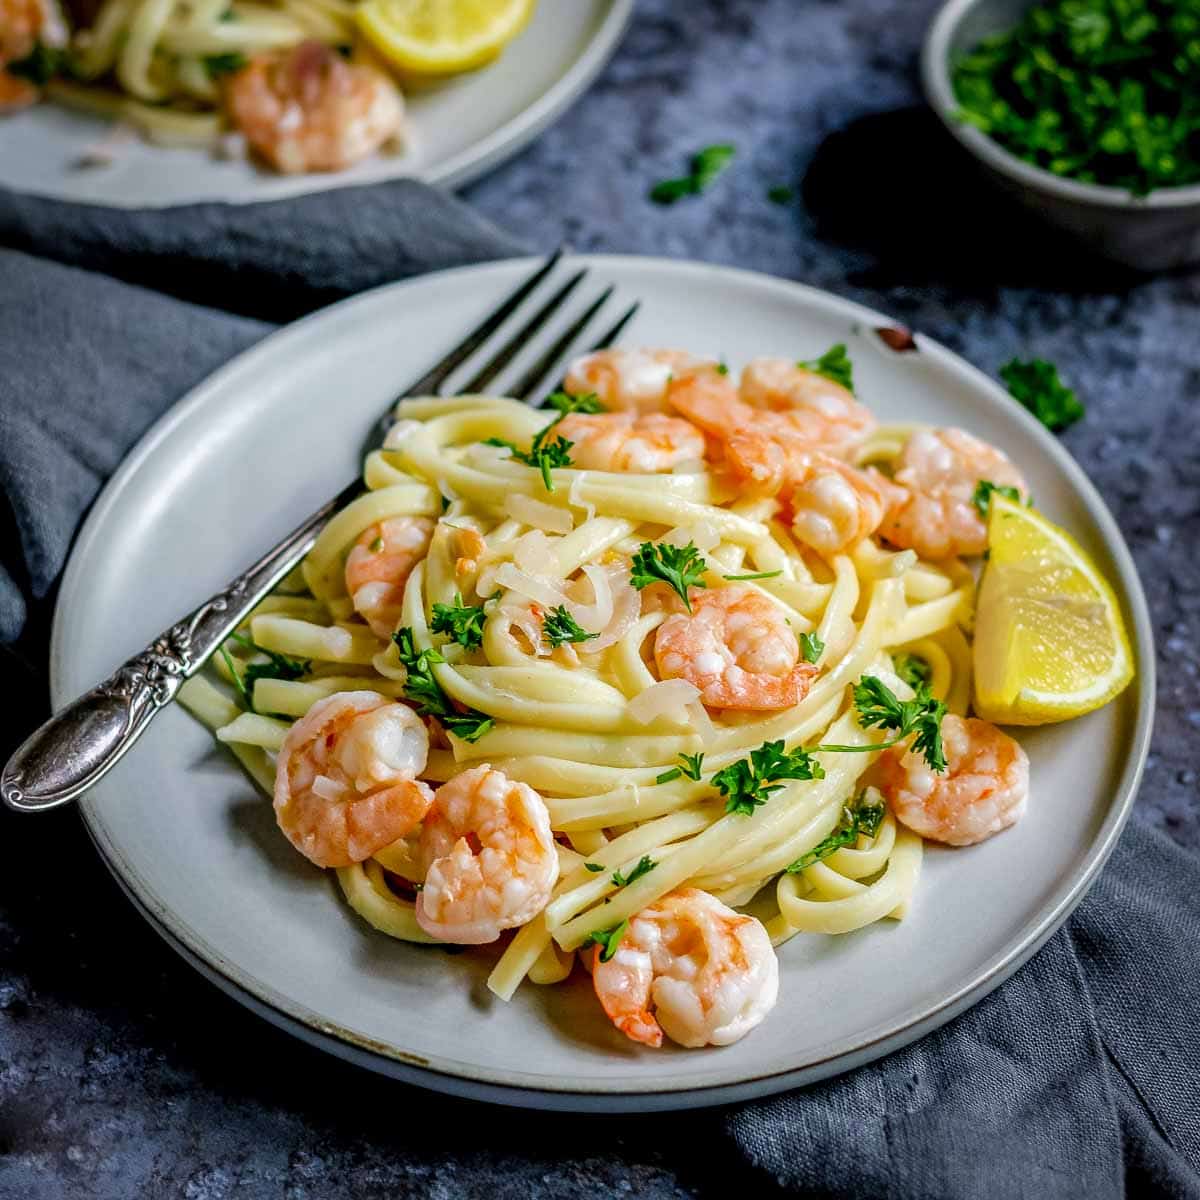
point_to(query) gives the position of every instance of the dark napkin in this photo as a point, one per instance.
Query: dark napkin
(1078, 1077)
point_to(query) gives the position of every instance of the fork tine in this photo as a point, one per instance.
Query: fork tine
(619, 328)
(520, 339)
(551, 361)
(433, 379)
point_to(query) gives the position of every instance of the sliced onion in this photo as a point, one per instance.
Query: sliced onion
(573, 496)
(537, 513)
(522, 617)
(594, 617)
(328, 789)
(666, 698)
(626, 608)
(532, 553)
(540, 591)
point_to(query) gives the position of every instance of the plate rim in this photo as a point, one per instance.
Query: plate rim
(466, 1079)
(468, 165)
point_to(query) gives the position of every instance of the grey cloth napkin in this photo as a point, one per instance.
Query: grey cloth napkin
(1080, 1077)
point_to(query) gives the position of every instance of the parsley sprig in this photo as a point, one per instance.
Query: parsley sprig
(277, 666)
(565, 404)
(862, 817)
(1036, 386)
(609, 940)
(752, 781)
(423, 689)
(545, 455)
(680, 567)
(834, 364)
(689, 765)
(752, 575)
(462, 622)
(706, 165)
(982, 499)
(913, 669)
(559, 626)
(811, 646)
(643, 866)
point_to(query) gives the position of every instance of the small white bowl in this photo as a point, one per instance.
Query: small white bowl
(1150, 233)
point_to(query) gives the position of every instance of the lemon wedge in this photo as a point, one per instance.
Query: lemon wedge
(441, 37)
(1050, 643)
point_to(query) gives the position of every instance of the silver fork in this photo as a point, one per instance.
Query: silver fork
(78, 745)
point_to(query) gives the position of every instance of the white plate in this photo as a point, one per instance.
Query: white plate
(266, 439)
(458, 130)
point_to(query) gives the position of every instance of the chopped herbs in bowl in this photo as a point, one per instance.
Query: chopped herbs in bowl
(1086, 111)
(1103, 91)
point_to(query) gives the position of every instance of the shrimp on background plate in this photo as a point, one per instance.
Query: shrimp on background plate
(690, 967)
(378, 567)
(489, 858)
(346, 779)
(737, 648)
(931, 496)
(983, 790)
(648, 444)
(305, 108)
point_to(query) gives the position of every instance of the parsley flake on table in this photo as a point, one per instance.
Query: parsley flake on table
(706, 165)
(752, 781)
(423, 689)
(609, 940)
(834, 364)
(643, 866)
(1036, 386)
(559, 626)
(680, 567)
(462, 622)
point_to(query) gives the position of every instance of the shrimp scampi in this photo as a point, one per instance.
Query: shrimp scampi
(378, 567)
(692, 968)
(346, 779)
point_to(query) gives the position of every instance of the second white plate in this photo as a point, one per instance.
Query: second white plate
(457, 130)
(269, 437)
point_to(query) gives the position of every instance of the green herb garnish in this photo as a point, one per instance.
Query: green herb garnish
(1103, 91)
(565, 403)
(834, 364)
(462, 622)
(749, 782)
(858, 818)
(811, 647)
(705, 167)
(423, 689)
(1036, 386)
(559, 626)
(690, 765)
(277, 666)
(607, 939)
(543, 457)
(643, 866)
(680, 567)
(913, 669)
(41, 65)
(752, 575)
(593, 867)
(217, 65)
(982, 499)
(878, 707)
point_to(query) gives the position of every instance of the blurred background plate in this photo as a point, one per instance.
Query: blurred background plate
(268, 438)
(457, 130)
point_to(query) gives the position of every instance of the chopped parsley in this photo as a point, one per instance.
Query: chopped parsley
(706, 165)
(376, 545)
(811, 647)
(559, 626)
(462, 622)
(609, 940)
(690, 765)
(859, 818)
(1036, 386)
(41, 65)
(1103, 91)
(752, 575)
(913, 669)
(680, 567)
(423, 689)
(643, 866)
(541, 455)
(982, 499)
(595, 868)
(834, 364)
(749, 782)
(565, 403)
(277, 666)
(217, 65)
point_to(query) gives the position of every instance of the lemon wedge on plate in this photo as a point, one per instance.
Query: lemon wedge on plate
(1050, 643)
(441, 37)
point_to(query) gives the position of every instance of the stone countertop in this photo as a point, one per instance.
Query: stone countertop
(124, 1074)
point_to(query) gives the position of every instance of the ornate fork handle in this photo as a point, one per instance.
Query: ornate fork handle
(77, 746)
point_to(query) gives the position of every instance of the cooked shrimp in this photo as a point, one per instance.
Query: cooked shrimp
(346, 780)
(931, 507)
(307, 109)
(982, 791)
(629, 379)
(737, 648)
(624, 441)
(378, 566)
(489, 856)
(834, 506)
(20, 23)
(690, 967)
(816, 408)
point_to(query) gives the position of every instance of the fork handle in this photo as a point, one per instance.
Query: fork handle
(80, 744)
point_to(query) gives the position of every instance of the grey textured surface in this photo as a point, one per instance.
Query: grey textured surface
(123, 1074)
